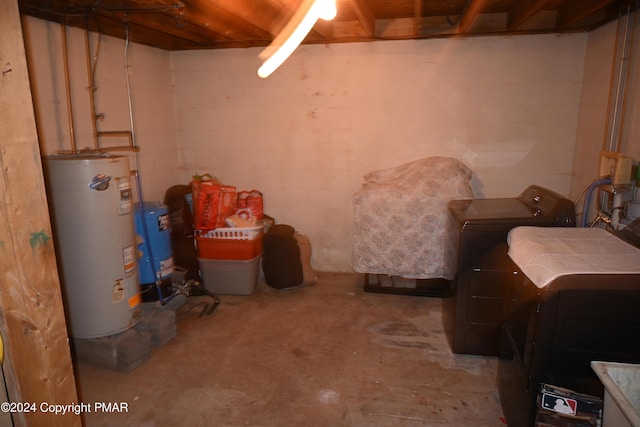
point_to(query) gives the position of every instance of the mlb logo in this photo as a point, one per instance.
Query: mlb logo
(560, 404)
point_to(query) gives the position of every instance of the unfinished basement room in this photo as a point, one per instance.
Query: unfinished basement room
(320, 213)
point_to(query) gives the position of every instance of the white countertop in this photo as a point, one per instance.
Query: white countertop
(545, 253)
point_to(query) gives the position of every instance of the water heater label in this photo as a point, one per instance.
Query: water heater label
(166, 267)
(99, 182)
(125, 197)
(135, 300)
(117, 294)
(124, 188)
(129, 257)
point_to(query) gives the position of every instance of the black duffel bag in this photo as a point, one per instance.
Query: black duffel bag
(281, 257)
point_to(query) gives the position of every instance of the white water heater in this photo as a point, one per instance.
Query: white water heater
(90, 199)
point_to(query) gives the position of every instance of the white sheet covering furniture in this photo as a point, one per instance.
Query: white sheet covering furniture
(543, 254)
(401, 223)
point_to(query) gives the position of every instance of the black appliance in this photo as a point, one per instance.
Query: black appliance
(552, 334)
(483, 264)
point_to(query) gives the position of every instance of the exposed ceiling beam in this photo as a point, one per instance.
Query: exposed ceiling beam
(219, 20)
(470, 13)
(417, 17)
(573, 13)
(523, 11)
(202, 24)
(365, 16)
(258, 14)
(164, 24)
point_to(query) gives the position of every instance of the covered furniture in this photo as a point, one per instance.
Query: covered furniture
(402, 227)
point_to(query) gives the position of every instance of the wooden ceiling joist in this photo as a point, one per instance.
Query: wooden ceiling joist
(417, 17)
(523, 11)
(365, 16)
(203, 24)
(572, 14)
(470, 13)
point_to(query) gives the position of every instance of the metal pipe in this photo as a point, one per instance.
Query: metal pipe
(618, 79)
(65, 54)
(92, 86)
(612, 81)
(627, 68)
(136, 173)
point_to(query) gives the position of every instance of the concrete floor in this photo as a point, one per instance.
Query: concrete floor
(323, 355)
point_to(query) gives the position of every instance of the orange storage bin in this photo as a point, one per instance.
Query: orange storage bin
(229, 249)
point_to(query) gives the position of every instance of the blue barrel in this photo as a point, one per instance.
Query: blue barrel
(156, 218)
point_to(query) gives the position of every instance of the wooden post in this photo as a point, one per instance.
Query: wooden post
(37, 364)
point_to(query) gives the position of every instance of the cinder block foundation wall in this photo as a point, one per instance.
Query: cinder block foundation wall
(593, 112)
(508, 107)
(505, 106)
(151, 118)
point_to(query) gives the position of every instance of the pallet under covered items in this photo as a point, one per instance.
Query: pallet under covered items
(385, 284)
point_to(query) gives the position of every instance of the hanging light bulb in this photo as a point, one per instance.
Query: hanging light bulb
(294, 33)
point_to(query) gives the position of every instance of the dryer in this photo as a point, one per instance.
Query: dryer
(483, 267)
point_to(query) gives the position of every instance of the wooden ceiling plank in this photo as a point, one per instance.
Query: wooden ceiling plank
(470, 13)
(257, 14)
(418, 10)
(215, 18)
(323, 29)
(110, 20)
(112, 25)
(171, 26)
(138, 6)
(574, 12)
(197, 24)
(523, 11)
(365, 16)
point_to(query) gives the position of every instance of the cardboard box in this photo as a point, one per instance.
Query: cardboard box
(561, 407)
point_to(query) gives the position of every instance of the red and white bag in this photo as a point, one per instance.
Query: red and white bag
(212, 203)
(251, 200)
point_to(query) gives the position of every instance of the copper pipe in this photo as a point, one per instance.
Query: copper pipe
(118, 133)
(65, 54)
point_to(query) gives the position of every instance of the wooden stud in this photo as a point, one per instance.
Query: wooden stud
(37, 364)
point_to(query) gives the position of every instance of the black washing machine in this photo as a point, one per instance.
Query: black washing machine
(483, 264)
(553, 333)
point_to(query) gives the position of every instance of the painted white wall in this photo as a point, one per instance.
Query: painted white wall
(630, 140)
(591, 138)
(593, 112)
(505, 106)
(151, 99)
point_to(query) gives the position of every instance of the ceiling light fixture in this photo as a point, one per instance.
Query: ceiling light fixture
(294, 33)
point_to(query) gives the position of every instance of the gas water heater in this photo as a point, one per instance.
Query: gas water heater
(91, 204)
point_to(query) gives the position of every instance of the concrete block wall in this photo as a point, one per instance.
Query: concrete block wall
(151, 99)
(597, 82)
(505, 106)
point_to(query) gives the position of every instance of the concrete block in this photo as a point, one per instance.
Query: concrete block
(122, 352)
